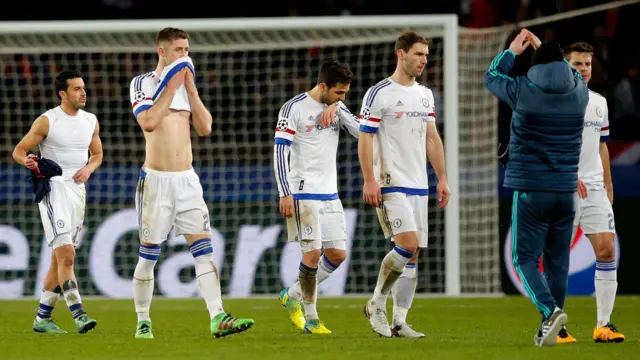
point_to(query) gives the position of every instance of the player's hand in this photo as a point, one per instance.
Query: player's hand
(582, 190)
(286, 206)
(82, 175)
(31, 162)
(443, 194)
(372, 194)
(328, 115)
(610, 194)
(190, 82)
(177, 80)
(521, 42)
(533, 39)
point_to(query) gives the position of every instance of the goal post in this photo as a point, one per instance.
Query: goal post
(246, 69)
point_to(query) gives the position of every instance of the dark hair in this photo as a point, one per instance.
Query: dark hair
(580, 47)
(547, 53)
(61, 83)
(170, 34)
(406, 40)
(334, 72)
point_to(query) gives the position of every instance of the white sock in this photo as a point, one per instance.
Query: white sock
(207, 275)
(392, 266)
(143, 280)
(403, 293)
(606, 284)
(72, 298)
(308, 279)
(325, 269)
(48, 300)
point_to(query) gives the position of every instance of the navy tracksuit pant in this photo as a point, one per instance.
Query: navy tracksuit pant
(541, 225)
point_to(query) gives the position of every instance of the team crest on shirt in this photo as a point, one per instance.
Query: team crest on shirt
(425, 102)
(60, 223)
(397, 223)
(308, 230)
(139, 96)
(282, 124)
(598, 111)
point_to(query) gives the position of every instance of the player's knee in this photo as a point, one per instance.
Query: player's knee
(414, 258)
(335, 255)
(407, 241)
(311, 252)
(604, 247)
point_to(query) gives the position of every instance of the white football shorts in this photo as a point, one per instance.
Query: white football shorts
(401, 213)
(317, 224)
(166, 200)
(595, 213)
(62, 211)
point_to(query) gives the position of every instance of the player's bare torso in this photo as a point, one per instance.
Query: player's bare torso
(168, 148)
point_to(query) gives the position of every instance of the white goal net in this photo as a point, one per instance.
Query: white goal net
(243, 76)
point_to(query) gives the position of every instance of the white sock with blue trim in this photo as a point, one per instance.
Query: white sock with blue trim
(606, 284)
(143, 280)
(403, 292)
(392, 266)
(207, 276)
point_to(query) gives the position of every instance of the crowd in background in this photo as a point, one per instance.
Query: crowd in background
(616, 63)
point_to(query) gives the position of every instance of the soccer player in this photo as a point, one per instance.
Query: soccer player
(548, 105)
(65, 135)
(169, 195)
(594, 213)
(398, 133)
(306, 174)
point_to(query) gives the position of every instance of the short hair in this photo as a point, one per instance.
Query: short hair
(61, 83)
(334, 72)
(579, 47)
(406, 40)
(170, 34)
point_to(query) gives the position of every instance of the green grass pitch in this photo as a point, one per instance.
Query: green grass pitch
(465, 328)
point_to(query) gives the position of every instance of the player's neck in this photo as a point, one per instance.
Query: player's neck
(159, 68)
(68, 109)
(402, 78)
(316, 94)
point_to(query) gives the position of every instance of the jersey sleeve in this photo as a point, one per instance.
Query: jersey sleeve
(604, 130)
(140, 95)
(347, 120)
(430, 104)
(371, 112)
(285, 133)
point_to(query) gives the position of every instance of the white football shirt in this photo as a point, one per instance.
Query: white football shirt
(398, 117)
(596, 130)
(146, 88)
(310, 170)
(68, 140)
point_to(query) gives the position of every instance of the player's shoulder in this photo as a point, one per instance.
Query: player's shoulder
(377, 87)
(88, 115)
(425, 90)
(141, 79)
(374, 91)
(596, 96)
(292, 104)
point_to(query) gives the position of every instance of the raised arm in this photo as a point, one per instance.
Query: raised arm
(148, 113)
(497, 78)
(39, 130)
(200, 115)
(348, 121)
